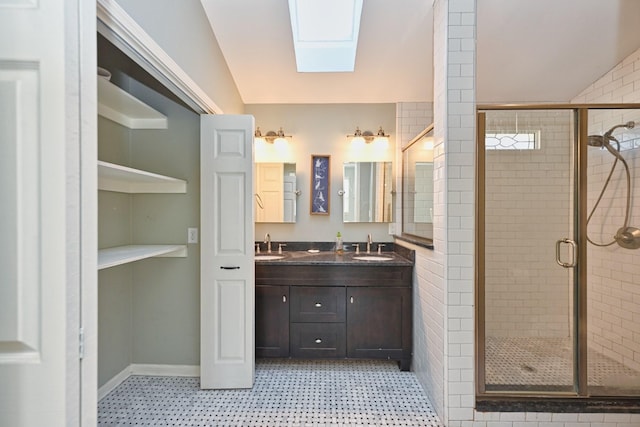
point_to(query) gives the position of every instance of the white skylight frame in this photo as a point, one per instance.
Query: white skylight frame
(325, 34)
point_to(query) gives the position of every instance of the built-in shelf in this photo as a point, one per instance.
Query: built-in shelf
(121, 107)
(111, 257)
(112, 177)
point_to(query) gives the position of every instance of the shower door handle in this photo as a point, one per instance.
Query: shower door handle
(574, 249)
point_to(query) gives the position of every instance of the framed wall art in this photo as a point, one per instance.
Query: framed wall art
(320, 174)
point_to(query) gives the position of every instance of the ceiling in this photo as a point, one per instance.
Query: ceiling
(527, 50)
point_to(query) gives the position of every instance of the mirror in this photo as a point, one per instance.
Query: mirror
(275, 192)
(367, 188)
(417, 185)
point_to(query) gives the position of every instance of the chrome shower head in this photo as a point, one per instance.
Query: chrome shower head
(628, 125)
(597, 140)
(603, 140)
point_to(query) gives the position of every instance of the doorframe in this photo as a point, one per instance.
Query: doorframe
(117, 26)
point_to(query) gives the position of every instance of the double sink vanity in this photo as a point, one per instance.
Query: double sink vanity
(316, 303)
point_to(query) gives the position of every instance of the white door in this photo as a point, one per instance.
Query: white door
(227, 269)
(39, 220)
(270, 187)
(289, 195)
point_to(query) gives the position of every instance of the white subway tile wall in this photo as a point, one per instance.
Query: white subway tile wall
(454, 107)
(614, 287)
(444, 324)
(428, 334)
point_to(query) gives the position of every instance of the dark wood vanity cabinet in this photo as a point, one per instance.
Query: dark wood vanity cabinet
(272, 321)
(317, 316)
(379, 324)
(334, 311)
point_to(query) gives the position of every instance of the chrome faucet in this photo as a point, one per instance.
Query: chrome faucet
(267, 240)
(369, 242)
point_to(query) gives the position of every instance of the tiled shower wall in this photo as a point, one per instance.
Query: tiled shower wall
(528, 196)
(613, 272)
(428, 332)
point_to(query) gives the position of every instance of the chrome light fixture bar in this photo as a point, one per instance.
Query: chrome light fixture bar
(271, 136)
(367, 136)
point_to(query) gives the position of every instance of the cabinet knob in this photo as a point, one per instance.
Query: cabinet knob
(351, 300)
(318, 304)
(318, 340)
(284, 298)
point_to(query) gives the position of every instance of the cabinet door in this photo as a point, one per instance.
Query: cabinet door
(272, 321)
(379, 323)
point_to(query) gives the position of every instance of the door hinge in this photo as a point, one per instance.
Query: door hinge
(81, 343)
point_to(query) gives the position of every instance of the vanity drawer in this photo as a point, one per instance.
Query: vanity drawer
(322, 340)
(318, 304)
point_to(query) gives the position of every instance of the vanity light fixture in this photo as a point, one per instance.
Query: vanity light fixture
(367, 136)
(271, 136)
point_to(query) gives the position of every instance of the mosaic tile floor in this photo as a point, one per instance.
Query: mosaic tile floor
(285, 393)
(546, 363)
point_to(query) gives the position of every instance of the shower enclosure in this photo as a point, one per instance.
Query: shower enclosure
(558, 287)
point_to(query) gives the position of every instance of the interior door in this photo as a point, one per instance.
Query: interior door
(270, 188)
(227, 265)
(39, 133)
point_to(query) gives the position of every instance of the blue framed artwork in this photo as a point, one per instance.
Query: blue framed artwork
(320, 169)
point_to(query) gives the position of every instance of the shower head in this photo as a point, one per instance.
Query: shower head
(597, 140)
(628, 125)
(603, 140)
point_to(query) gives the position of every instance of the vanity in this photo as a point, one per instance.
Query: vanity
(326, 305)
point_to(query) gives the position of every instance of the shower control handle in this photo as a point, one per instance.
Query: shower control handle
(574, 250)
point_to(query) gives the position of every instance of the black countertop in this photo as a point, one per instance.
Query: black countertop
(332, 258)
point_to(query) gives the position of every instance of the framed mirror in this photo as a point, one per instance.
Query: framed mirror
(275, 192)
(367, 192)
(417, 186)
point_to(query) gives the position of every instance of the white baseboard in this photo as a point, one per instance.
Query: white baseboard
(165, 370)
(148, 369)
(114, 382)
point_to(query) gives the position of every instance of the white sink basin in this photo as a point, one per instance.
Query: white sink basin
(372, 258)
(268, 257)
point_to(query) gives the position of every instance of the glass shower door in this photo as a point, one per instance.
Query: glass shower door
(613, 271)
(527, 261)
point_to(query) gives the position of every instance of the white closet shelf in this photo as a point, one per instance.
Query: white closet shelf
(110, 257)
(112, 177)
(123, 108)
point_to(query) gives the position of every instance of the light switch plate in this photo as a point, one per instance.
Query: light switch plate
(192, 235)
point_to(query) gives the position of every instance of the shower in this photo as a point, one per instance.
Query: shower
(627, 237)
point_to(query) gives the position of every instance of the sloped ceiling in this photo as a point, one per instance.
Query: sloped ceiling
(527, 50)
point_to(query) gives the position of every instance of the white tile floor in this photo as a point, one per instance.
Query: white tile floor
(536, 363)
(285, 393)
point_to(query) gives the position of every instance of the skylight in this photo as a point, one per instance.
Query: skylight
(325, 34)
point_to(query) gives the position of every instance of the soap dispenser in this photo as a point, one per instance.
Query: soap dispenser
(339, 247)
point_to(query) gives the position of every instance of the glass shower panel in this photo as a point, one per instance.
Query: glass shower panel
(613, 268)
(529, 198)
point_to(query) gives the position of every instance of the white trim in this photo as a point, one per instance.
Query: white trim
(165, 370)
(120, 29)
(149, 370)
(114, 382)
